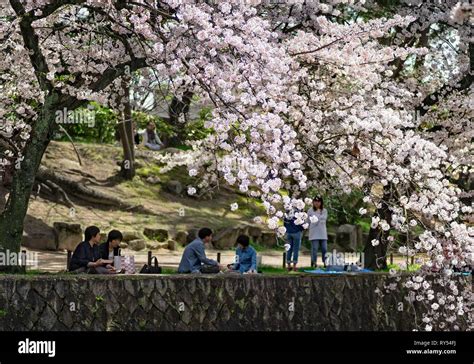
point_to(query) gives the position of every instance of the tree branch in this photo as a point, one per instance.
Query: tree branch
(31, 42)
(463, 84)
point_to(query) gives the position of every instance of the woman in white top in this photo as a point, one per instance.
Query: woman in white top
(318, 235)
(151, 140)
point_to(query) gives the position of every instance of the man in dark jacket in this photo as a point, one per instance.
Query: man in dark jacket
(86, 256)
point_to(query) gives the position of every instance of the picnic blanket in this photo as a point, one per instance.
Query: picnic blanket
(322, 271)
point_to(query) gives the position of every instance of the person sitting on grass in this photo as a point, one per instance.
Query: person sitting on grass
(194, 258)
(110, 248)
(86, 256)
(246, 256)
(151, 140)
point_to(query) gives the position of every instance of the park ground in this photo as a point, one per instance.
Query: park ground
(98, 169)
(272, 260)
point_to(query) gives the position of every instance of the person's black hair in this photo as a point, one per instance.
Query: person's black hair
(90, 232)
(204, 233)
(243, 240)
(320, 199)
(114, 234)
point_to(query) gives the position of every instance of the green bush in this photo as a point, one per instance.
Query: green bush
(344, 208)
(99, 128)
(195, 130)
(94, 123)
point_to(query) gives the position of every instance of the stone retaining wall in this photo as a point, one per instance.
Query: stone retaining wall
(220, 302)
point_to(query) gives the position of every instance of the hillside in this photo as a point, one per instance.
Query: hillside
(164, 208)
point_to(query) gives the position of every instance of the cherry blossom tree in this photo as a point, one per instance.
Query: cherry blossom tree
(58, 55)
(339, 121)
(305, 98)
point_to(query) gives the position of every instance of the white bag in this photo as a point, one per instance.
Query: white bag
(126, 265)
(117, 263)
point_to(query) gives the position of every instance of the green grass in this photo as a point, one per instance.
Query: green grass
(151, 170)
(266, 269)
(250, 207)
(184, 147)
(139, 185)
(180, 174)
(169, 270)
(411, 267)
(272, 270)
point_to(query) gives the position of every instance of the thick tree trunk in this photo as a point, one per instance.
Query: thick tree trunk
(375, 257)
(11, 220)
(176, 109)
(126, 136)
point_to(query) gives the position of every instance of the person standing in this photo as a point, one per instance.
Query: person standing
(294, 234)
(318, 235)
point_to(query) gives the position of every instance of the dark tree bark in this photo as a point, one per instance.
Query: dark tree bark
(176, 109)
(375, 257)
(126, 136)
(11, 220)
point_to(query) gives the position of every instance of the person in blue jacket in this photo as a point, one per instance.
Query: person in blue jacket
(246, 256)
(294, 234)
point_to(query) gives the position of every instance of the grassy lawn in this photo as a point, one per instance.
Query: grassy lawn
(411, 267)
(280, 270)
